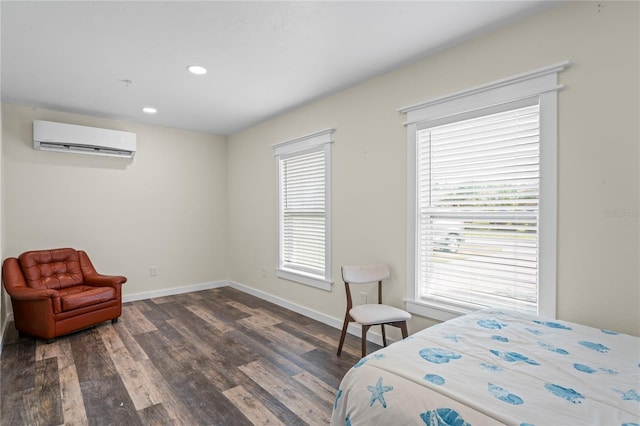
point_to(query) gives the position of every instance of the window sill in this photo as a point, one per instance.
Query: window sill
(435, 310)
(310, 280)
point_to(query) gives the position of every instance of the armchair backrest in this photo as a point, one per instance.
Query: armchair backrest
(54, 269)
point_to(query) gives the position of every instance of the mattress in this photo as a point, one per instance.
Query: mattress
(496, 367)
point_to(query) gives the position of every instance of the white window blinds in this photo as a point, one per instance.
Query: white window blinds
(478, 186)
(304, 209)
(303, 212)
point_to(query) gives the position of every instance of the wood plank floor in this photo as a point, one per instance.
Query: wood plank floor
(214, 357)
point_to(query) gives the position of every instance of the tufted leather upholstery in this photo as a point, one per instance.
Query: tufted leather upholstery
(58, 268)
(55, 292)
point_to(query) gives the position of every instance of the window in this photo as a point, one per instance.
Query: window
(482, 198)
(304, 220)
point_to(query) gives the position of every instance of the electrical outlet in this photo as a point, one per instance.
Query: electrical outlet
(263, 272)
(153, 271)
(363, 298)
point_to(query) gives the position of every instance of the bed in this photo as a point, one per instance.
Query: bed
(496, 367)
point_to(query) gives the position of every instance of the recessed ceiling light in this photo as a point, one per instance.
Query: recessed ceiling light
(149, 110)
(197, 69)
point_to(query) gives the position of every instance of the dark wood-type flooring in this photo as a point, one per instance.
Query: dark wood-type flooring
(213, 357)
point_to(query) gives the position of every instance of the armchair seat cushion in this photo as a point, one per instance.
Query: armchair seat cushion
(83, 295)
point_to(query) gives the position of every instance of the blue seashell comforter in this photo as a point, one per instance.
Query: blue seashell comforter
(497, 367)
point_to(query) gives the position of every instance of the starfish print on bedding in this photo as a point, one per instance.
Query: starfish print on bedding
(630, 395)
(377, 393)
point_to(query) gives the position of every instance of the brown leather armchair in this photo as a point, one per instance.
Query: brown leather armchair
(55, 292)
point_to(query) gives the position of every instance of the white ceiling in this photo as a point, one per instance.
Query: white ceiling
(263, 58)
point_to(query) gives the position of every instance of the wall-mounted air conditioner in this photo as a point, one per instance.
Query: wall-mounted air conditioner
(61, 137)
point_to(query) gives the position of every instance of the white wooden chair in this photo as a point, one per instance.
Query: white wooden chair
(370, 314)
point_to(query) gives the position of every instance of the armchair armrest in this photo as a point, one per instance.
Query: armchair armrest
(92, 277)
(100, 280)
(16, 285)
(27, 293)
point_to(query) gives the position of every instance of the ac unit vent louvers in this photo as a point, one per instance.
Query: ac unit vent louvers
(61, 137)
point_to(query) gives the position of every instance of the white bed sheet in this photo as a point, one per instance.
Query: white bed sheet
(497, 367)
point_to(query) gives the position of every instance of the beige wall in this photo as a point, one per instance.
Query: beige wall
(598, 275)
(202, 208)
(165, 208)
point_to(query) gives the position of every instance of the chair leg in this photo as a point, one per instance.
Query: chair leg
(403, 328)
(384, 336)
(365, 328)
(344, 333)
(114, 321)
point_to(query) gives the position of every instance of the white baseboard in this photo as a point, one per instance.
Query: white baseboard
(172, 291)
(372, 336)
(302, 310)
(310, 313)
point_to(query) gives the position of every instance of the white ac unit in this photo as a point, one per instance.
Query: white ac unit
(61, 137)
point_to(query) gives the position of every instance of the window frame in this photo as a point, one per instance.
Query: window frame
(541, 83)
(315, 142)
